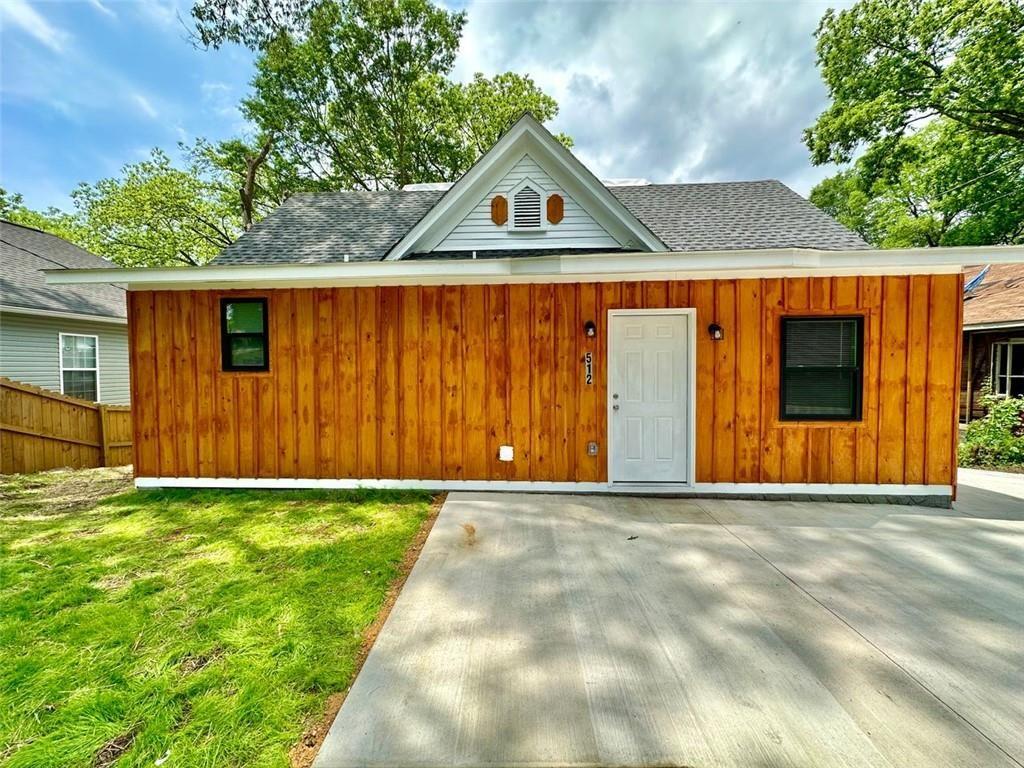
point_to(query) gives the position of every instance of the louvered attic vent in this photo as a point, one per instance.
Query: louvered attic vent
(526, 209)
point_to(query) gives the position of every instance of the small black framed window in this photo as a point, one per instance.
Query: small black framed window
(244, 342)
(822, 376)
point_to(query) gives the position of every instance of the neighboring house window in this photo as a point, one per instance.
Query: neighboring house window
(1008, 368)
(526, 207)
(821, 368)
(80, 366)
(244, 344)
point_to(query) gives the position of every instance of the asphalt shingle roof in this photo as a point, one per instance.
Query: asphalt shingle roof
(365, 226)
(25, 251)
(999, 298)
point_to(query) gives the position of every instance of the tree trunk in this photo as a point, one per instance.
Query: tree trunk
(248, 189)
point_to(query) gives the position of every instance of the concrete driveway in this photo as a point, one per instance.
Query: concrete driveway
(603, 631)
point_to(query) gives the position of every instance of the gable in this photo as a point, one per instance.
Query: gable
(478, 231)
(462, 213)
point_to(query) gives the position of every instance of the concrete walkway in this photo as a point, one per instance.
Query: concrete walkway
(601, 631)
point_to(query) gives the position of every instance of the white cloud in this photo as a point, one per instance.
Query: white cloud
(144, 105)
(103, 9)
(25, 17)
(686, 91)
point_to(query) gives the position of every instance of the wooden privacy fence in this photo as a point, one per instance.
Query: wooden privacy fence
(40, 429)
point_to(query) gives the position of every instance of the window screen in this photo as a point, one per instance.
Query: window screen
(821, 368)
(79, 366)
(244, 344)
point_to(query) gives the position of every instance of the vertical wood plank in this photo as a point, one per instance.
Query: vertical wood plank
(349, 398)
(944, 309)
(325, 353)
(497, 379)
(387, 361)
(749, 317)
(893, 380)
(368, 390)
(453, 372)
(541, 409)
(409, 384)
(474, 323)
(566, 366)
(145, 423)
(867, 437)
(163, 322)
(431, 385)
(304, 361)
(725, 383)
(702, 296)
(520, 356)
(917, 373)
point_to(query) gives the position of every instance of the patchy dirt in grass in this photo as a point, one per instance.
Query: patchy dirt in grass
(193, 663)
(114, 748)
(60, 490)
(303, 753)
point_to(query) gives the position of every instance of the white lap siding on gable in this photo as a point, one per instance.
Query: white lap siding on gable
(576, 230)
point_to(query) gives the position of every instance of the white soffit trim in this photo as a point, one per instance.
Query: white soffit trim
(673, 489)
(994, 326)
(63, 315)
(526, 136)
(565, 268)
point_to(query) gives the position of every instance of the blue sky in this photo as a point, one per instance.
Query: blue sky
(87, 86)
(680, 91)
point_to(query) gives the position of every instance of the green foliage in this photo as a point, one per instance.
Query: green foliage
(889, 64)
(944, 185)
(363, 100)
(155, 214)
(252, 23)
(210, 625)
(998, 438)
(52, 220)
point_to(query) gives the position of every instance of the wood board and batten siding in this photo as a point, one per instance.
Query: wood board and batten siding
(40, 429)
(428, 382)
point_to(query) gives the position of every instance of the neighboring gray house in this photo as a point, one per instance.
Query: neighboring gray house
(69, 338)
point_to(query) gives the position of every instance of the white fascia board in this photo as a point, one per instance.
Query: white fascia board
(527, 136)
(527, 486)
(994, 326)
(63, 315)
(594, 267)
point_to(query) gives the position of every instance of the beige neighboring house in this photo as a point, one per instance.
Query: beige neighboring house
(71, 339)
(993, 347)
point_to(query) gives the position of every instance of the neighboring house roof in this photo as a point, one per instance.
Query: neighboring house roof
(25, 251)
(364, 226)
(998, 299)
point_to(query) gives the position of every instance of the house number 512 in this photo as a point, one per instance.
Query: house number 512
(588, 367)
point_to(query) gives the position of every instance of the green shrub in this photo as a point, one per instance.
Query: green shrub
(998, 438)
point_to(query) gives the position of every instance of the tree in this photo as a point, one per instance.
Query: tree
(52, 220)
(247, 174)
(943, 186)
(893, 64)
(363, 99)
(252, 23)
(155, 214)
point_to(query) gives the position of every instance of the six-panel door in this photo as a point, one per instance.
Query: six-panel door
(647, 395)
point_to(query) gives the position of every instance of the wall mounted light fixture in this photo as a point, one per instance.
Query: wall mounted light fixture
(590, 329)
(715, 332)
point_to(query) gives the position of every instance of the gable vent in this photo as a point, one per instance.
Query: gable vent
(526, 209)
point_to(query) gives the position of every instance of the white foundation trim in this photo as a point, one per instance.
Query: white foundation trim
(696, 489)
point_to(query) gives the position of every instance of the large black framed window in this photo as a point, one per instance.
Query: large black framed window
(822, 375)
(244, 342)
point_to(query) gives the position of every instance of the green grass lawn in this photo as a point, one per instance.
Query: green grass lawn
(182, 628)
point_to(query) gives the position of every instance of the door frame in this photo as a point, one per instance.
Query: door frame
(690, 313)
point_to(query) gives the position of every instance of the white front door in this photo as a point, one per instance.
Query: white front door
(648, 387)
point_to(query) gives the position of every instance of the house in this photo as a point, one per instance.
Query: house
(532, 328)
(71, 339)
(993, 336)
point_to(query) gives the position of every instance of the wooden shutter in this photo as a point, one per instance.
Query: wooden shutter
(499, 210)
(556, 209)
